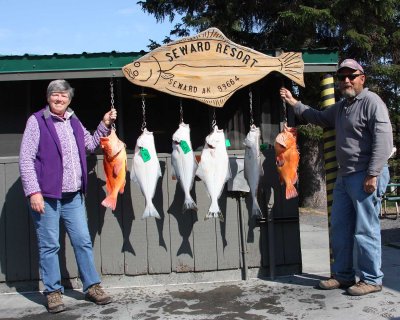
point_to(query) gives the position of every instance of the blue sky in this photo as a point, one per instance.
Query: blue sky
(76, 26)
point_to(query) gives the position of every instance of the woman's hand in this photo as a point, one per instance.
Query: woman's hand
(37, 202)
(110, 117)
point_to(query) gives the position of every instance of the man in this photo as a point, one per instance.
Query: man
(364, 142)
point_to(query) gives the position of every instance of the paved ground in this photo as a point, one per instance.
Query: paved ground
(293, 297)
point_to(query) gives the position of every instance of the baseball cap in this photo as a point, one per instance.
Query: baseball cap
(351, 64)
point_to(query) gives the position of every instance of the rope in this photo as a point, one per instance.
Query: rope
(181, 110)
(214, 121)
(143, 110)
(251, 107)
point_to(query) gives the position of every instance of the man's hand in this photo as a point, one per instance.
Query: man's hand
(370, 184)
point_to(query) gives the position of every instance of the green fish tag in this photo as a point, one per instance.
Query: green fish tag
(145, 154)
(185, 147)
(227, 143)
(263, 146)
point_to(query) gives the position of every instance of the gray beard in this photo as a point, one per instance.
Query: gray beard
(348, 94)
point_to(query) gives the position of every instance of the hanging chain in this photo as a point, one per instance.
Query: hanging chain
(284, 106)
(181, 110)
(112, 99)
(143, 110)
(251, 108)
(214, 121)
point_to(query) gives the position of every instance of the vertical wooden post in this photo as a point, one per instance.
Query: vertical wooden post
(329, 136)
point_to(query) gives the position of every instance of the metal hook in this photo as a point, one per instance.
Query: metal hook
(214, 121)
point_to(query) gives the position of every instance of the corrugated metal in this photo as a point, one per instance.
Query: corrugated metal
(108, 64)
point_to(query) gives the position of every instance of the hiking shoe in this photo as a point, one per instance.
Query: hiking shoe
(97, 295)
(333, 283)
(361, 288)
(54, 302)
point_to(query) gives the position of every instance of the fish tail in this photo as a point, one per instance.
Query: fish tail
(189, 204)
(214, 212)
(293, 66)
(150, 211)
(291, 191)
(110, 202)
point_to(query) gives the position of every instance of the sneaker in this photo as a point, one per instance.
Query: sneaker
(361, 288)
(333, 283)
(54, 302)
(97, 295)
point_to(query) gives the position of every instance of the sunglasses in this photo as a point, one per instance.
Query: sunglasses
(342, 77)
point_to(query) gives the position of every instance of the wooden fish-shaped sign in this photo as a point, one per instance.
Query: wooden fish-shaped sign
(208, 67)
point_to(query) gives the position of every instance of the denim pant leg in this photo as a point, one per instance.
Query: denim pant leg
(73, 213)
(47, 227)
(382, 183)
(367, 229)
(342, 232)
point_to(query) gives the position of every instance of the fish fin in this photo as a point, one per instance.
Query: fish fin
(122, 189)
(256, 211)
(200, 172)
(293, 66)
(173, 173)
(228, 174)
(150, 211)
(261, 170)
(291, 191)
(167, 75)
(247, 142)
(133, 176)
(117, 168)
(110, 202)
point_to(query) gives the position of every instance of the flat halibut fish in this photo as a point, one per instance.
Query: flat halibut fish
(184, 163)
(209, 67)
(146, 170)
(214, 170)
(287, 160)
(115, 167)
(253, 167)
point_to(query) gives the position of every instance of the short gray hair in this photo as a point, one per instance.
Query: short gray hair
(58, 86)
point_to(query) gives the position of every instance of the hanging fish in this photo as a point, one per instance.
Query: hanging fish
(115, 167)
(184, 163)
(214, 169)
(146, 170)
(209, 67)
(287, 159)
(252, 166)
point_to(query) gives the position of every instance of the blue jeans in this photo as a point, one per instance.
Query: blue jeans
(355, 220)
(71, 209)
(383, 181)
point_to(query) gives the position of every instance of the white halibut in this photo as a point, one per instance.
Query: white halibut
(252, 166)
(214, 169)
(184, 163)
(146, 170)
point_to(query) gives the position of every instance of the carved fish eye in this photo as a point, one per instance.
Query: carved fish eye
(135, 73)
(136, 64)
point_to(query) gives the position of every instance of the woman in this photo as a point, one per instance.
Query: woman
(54, 177)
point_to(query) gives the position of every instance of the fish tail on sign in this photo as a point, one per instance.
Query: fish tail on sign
(329, 135)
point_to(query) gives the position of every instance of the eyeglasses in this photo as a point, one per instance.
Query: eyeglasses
(342, 77)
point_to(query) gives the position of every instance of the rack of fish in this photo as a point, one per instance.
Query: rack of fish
(213, 168)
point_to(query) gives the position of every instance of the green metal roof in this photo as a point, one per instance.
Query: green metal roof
(109, 64)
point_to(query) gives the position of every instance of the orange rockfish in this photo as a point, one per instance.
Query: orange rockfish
(209, 67)
(115, 168)
(287, 159)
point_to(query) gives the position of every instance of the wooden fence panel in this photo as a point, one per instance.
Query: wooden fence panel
(227, 234)
(158, 240)
(17, 227)
(205, 242)
(135, 228)
(112, 257)
(181, 227)
(3, 256)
